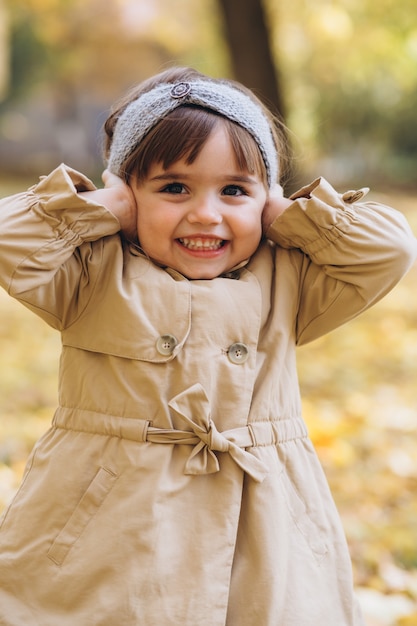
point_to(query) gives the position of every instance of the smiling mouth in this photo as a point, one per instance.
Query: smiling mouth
(200, 243)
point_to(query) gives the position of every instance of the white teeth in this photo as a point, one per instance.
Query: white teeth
(201, 244)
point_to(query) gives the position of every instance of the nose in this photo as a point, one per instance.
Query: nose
(205, 210)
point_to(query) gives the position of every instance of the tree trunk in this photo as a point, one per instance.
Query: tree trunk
(248, 39)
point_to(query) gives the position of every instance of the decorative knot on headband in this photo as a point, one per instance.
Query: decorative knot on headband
(141, 115)
(180, 90)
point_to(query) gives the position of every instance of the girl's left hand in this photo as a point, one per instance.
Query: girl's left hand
(275, 205)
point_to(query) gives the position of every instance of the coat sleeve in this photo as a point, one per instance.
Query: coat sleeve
(353, 254)
(51, 242)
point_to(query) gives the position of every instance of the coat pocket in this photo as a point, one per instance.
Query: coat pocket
(302, 520)
(87, 507)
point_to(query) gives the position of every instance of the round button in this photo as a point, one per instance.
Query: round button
(180, 90)
(238, 353)
(166, 344)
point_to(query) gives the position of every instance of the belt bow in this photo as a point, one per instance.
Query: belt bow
(193, 407)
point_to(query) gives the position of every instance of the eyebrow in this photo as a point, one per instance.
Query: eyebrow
(239, 178)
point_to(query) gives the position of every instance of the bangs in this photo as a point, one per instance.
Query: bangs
(182, 134)
(246, 150)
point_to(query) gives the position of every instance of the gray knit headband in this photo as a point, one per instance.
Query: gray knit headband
(141, 115)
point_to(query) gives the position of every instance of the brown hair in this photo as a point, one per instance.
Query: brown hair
(183, 132)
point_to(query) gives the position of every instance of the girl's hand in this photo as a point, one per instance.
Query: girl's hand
(122, 204)
(118, 198)
(274, 207)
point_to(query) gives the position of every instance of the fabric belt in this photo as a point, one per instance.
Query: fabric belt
(192, 406)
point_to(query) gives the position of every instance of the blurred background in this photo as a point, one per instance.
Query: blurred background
(343, 77)
(342, 74)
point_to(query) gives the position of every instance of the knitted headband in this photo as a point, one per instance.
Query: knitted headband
(141, 115)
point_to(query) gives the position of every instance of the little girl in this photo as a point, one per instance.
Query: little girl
(177, 485)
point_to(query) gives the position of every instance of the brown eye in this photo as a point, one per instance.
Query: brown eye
(234, 190)
(174, 188)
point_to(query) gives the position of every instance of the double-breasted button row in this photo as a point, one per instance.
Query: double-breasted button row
(237, 353)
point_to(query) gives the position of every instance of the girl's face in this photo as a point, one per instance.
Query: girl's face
(203, 218)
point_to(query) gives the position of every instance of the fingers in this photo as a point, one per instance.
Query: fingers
(275, 206)
(111, 180)
(276, 192)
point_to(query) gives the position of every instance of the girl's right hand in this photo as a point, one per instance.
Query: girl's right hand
(122, 204)
(118, 198)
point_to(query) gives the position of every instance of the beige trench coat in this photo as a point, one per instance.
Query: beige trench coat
(177, 485)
